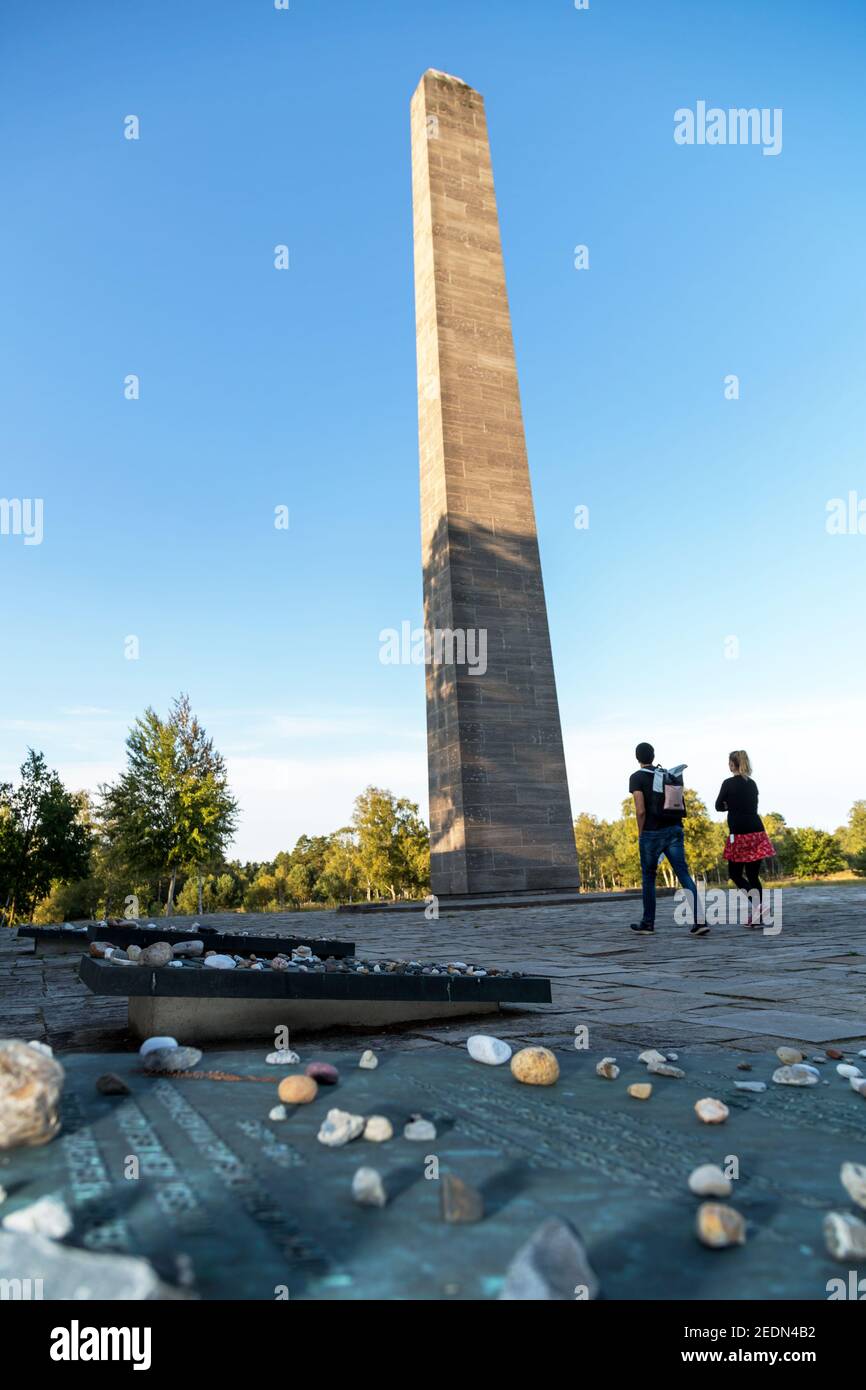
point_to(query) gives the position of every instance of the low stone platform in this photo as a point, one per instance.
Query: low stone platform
(67, 939)
(731, 989)
(235, 1206)
(211, 1005)
(478, 902)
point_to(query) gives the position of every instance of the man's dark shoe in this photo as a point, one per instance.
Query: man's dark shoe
(699, 929)
(642, 928)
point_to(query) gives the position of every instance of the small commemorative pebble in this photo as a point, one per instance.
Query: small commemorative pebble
(110, 1084)
(535, 1066)
(492, 1051)
(368, 1189)
(640, 1090)
(378, 1129)
(323, 1073)
(711, 1111)
(297, 1090)
(151, 1044)
(172, 1059)
(419, 1130)
(339, 1128)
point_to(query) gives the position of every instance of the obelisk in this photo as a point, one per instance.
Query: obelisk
(500, 817)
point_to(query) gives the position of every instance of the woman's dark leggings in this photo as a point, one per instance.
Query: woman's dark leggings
(745, 876)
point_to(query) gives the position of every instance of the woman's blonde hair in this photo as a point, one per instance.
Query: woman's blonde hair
(740, 759)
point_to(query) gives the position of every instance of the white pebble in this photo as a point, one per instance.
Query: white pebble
(711, 1111)
(378, 1129)
(419, 1130)
(652, 1055)
(798, 1074)
(853, 1179)
(483, 1048)
(368, 1189)
(339, 1127)
(709, 1181)
(217, 962)
(282, 1059)
(279, 1112)
(151, 1045)
(369, 1061)
(845, 1236)
(845, 1069)
(47, 1217)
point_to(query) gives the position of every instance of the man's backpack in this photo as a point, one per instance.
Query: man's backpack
(667, 797)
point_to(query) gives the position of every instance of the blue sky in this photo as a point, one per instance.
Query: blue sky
(262, 388)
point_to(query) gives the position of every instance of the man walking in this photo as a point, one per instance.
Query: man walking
(660, 832)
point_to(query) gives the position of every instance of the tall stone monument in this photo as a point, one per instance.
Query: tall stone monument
(499, 810)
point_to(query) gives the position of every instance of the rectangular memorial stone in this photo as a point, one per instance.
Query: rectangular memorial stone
(205, 1005)
(69, 939)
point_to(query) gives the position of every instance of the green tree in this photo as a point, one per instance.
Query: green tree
(818, 853)
(852, 837)
(392, 844)
(261, 895)
(171, 810)
(700, 836)
(340, 878)
(626, 851)
(44, 838)
(595, 852)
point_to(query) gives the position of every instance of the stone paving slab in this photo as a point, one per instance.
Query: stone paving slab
(242, 1206)
(807, 1027)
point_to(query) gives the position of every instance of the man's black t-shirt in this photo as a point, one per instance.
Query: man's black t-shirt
(642, 781)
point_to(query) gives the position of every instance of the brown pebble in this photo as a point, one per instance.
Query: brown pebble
(535, 1066)
(297, 1090)
(459, 1203)
(110, 1084)
(641, 1090)
(744, 1066)
(834, 1053)
(719, 1226)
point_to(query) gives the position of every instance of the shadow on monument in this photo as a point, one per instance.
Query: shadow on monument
(499, 806)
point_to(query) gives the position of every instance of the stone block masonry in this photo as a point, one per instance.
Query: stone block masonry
(499, 806)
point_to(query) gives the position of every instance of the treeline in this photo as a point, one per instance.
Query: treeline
(609, 857)
(155, 840)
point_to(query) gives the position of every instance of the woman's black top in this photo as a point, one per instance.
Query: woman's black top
(739, 797)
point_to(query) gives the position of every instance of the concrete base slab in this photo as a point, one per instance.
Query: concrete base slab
(192, 1020)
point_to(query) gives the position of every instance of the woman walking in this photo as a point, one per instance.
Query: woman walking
(747, 844)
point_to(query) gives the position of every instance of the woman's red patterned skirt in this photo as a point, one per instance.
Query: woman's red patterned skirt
(747, 849)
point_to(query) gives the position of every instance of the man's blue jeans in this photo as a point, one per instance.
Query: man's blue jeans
(669, 842)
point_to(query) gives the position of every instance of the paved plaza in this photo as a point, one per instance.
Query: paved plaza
(733, 988)
(232, 1204)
